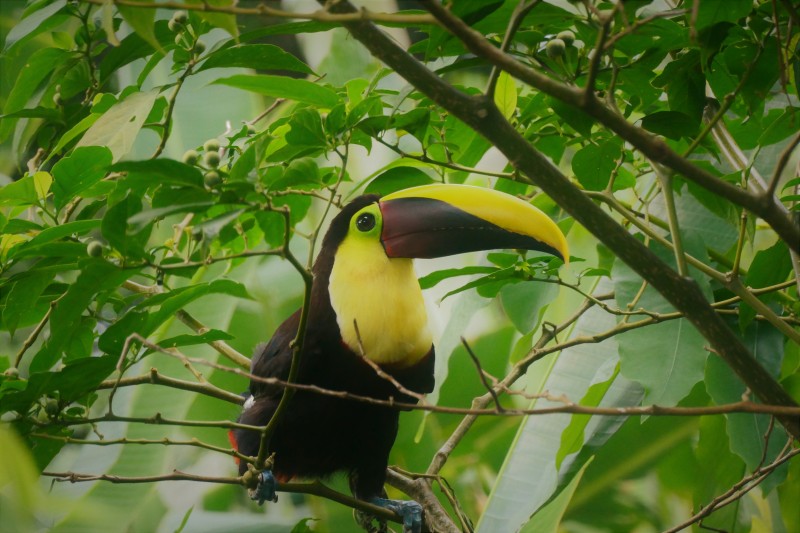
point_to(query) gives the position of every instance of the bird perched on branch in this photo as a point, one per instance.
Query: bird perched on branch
(367, 332)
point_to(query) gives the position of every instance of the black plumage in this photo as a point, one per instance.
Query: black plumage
(320, 435)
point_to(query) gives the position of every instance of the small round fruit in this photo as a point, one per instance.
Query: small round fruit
(94, 249)
(199, 47)
(251, 130)
(174, 26)
(567, 36)
(211, 159)
(211, 145)
(555, 48)
(12, 372)
(190, 157)
(212, 179)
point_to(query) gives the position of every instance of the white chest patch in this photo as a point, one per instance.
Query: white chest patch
(378, 304)
(248, 403)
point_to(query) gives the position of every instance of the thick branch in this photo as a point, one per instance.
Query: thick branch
(314, 488)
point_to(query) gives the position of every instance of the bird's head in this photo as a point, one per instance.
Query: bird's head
(440, 220)
(365, 269)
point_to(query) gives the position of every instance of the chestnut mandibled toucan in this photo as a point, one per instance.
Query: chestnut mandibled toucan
(366, 302)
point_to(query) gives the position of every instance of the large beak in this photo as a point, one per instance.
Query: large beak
(439, 220)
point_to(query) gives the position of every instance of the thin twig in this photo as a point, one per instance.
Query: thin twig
(783, 160)
(520, 11)
(381, 373)
(481, 375)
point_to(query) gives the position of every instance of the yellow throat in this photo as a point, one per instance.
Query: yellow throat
(382, 296)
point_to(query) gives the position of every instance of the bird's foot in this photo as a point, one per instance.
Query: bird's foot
(409, 510)
(265, 490)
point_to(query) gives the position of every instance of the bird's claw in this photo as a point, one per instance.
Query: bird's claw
(409, 510)
(265, 489)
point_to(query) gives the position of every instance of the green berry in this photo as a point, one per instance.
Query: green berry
(251, 130)
(555, 48)
(12, 372)
(211, 145)
(173, 26)
(212, 179)
(567, 36)
(199, 47)
(190, 157)
(212, 159)
(94, 249)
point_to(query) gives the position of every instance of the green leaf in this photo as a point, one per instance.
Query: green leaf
(396, 179)
(529, 468)
(594, 164)
(415, 122)
(220, 20)
(20, 192)
(306, 129)
(79, 171)
(34, 23)
(211, 228)
(525, 302)
(432, 279)
(169, 303)
(769, 267)
(577, 119)
(141, 219)
(491, 283)
(131, 48)
(143, 23)
(159, 171)
(710, 13)
(40, 65)
(505, 95)
(96, 276)
(78, 227)
(254, 56)
(74, 132)
(192, 340)
(23, 296)
(118, 127)
(669, 358)
(671, 124)
(747, 431)
(783, 126)
(548, 518)
(282, 87)
(115, 227)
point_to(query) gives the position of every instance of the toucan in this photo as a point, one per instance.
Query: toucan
(366, 302)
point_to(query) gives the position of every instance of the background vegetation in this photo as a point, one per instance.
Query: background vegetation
(166, 173)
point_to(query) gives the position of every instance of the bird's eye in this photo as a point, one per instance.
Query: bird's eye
(365, 222)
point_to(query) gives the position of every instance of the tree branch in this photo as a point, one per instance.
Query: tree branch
(651, 146)
(321, 15)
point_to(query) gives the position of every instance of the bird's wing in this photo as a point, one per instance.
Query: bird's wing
(273, 359)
